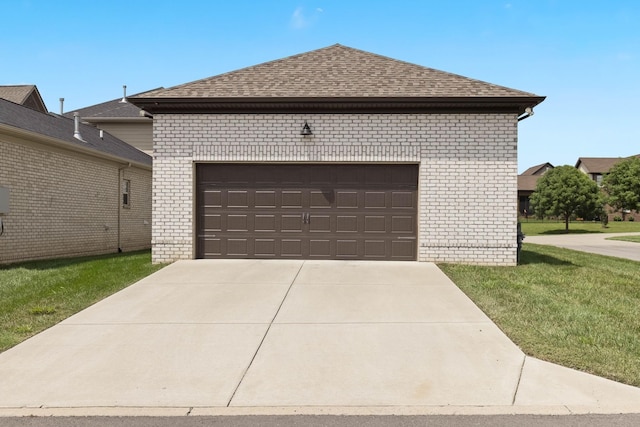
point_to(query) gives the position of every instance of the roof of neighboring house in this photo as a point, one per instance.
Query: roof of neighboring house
(338, 73)
(62, 129)
(538, 169)
(528, 182)
(599, 165)
(27, 95)
(110, 109)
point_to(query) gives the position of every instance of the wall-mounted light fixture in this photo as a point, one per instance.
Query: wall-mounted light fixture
(306, 130)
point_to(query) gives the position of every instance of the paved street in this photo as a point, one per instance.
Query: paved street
(596, 243)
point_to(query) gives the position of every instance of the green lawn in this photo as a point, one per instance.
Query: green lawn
(36, 295)
(539, 228)
(634, 239)
(572, 308)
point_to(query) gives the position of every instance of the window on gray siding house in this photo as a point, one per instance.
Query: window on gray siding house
(126, 193)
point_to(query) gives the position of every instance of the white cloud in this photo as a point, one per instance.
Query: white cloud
(298, 21)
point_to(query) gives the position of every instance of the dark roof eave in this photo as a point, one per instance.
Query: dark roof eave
(515, 104)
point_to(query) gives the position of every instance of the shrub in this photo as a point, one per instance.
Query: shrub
(617, 218)
(631, 219)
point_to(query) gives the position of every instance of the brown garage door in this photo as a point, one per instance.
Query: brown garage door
(333, 211)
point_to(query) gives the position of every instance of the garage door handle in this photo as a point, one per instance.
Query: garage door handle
(305, 218)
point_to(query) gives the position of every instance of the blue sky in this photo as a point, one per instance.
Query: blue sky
(584, 56)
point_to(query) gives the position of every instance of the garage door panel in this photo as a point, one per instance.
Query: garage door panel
(238, 222)
(375, 224)
(213, 222)
(291, 223)
(265, 199)
(265, 248)
(211, 247)
(403, 224)
(346, 248)
(346, 199)
(265, 223)
(402, 199)
(375, 248)
(238, 247)
(319, 211)
(212, 198)
(320, 248)
(347, 224)
(319, 223)
(402, 249)
(292, 199)
(375, 199)
(291, 247)
(237, 199)
(321, 199)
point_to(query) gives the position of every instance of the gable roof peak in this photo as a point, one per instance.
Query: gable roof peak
(336, 71)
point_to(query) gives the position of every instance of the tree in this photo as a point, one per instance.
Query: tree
(565, 191)
(622, 185)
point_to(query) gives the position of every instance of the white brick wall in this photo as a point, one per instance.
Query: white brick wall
(468, 171)
(64, 203)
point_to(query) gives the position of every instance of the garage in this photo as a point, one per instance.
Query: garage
(306, 211)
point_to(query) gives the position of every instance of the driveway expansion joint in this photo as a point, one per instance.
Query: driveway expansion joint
(265, 334)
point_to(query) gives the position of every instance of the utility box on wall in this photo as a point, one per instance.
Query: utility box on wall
(4, 201)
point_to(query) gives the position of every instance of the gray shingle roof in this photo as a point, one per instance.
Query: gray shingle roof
(336, 71)
(110, 109)
(62, 128)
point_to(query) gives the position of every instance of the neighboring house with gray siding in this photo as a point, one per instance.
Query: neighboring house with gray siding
(121, 119)
(336, 153)
(69, 197)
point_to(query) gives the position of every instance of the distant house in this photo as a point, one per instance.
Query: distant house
(70, 190)
(121, 119)
(527, 182)
(596, 168)
(27, 95)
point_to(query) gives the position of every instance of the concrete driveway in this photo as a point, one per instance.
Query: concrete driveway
(596, 243)
(251, 336)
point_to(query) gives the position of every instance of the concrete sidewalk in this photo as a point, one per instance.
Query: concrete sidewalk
(595, 243)
(276, 337)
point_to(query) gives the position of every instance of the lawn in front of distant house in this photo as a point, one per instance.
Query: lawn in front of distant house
(547, 227)
(36, 295)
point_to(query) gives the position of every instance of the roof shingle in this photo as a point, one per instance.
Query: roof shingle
(599, 165)
(336, 71)
(62, 128)
(110, 109)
